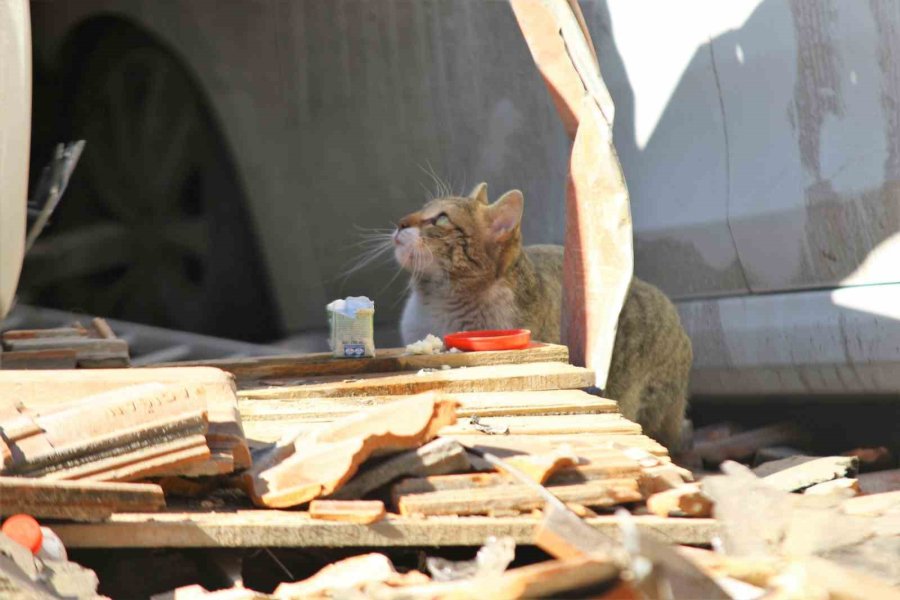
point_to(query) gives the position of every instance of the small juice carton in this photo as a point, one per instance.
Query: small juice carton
(351, 322)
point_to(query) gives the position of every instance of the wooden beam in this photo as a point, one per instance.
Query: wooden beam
(508, 378)
(76, 500)
(276, 528)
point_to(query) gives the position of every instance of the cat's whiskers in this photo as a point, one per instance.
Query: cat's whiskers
(375, 246)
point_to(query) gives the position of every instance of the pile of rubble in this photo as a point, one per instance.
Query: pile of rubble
(503, 449)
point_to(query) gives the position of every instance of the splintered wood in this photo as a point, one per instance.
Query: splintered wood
(316, 465)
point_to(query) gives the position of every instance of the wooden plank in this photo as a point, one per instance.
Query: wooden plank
(177, 456)
(508, 378)
(608, 424)
(487, 500)
(385, 361)
(484, 404)
(40, 359)
(348, 511)
(276, 528)
(76, 500)
(614, 467)
(799, 472)
(31, 334)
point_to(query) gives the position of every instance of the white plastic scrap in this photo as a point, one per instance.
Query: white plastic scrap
(492, 559)
(430, 345)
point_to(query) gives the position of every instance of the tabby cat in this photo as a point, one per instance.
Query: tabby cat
(470, 271)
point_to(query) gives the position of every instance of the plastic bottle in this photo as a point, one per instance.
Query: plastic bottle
(42, 541)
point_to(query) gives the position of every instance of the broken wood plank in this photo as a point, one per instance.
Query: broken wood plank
(687, 500)
(608, 424)
(842, 486)
(745, 444)
(799, 472)
(510, 378)
(486, 500)
(287, 529)
(348, 511)
(76, 500)
(386, 361)
(306, 468)
(437, 457)
(564, 535)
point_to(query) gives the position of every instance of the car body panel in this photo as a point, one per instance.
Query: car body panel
(758, 140)
(15, 129)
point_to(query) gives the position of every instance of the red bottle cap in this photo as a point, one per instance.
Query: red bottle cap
(25, 530)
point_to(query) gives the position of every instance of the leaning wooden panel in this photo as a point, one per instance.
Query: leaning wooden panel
(385, 361)
(276, 528)
(500, 378)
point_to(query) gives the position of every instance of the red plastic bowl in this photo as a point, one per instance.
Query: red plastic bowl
(494, 339)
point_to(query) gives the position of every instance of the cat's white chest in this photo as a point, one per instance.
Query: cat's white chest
(440, 315)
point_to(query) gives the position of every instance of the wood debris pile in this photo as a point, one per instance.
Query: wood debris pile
(64, 348)
(401, 451)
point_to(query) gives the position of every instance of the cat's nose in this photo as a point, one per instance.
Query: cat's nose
(404, 223)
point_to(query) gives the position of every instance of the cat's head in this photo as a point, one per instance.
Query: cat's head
(465, 239)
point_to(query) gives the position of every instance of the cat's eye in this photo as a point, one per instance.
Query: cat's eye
(442, 220)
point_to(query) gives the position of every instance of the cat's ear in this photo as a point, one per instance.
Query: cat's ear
(480, 193)
(506, 215)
